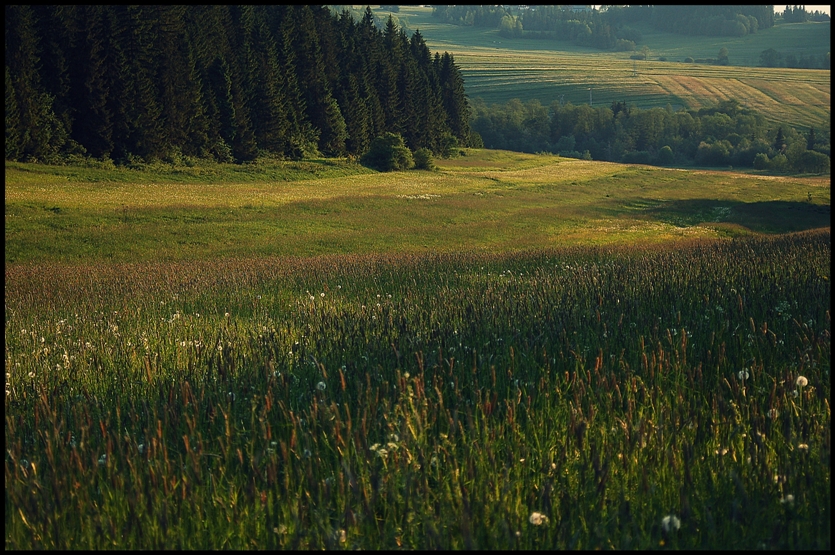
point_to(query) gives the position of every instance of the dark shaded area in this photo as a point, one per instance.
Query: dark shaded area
(776, 216)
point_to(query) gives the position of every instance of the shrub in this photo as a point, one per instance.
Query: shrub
(388, 153)
(624, 45)
(688, 60)
(665, 155)
(761, 161)
(813, 162)
(423, 159)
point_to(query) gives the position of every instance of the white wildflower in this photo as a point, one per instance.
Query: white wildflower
(670, 523)
(538, 519)
(321, 386)
(743, 374)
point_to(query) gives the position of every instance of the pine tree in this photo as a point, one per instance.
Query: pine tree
(454, 99)
(41, 134)
(14, 148)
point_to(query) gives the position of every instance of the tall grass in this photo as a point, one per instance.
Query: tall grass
(563, 398)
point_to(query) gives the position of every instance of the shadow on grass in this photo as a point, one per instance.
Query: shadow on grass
(776, 216)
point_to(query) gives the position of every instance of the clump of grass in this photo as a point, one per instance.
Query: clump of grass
(573, 398)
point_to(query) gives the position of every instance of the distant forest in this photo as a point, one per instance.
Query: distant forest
(611, 29)
(230, 83)
(721, 135)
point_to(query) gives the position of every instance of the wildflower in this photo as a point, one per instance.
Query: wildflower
(743, 374)
(787, 500)
(670, 523)
(801, 381)
(321, 386)
(322, 295)
(538, 519)
(31, 374)
(722, 452)
(803, 447)
(795, 393)
(226, 315)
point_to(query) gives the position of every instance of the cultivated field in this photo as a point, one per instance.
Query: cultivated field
(516, 351)
(498, 69)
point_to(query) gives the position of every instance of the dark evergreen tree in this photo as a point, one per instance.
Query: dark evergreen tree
(454, 98)
(14, 148)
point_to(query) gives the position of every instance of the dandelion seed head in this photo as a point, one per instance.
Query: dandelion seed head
(801, 381)
(787, 500)
(743, 374)
(670, 523)
(321, 386)
(538, 519)
(102, 460)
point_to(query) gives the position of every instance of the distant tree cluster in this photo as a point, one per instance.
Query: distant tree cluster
(223, 82)
(773, 58)
(798, 14)
(715, 20)
(609, 29)
(726, 134)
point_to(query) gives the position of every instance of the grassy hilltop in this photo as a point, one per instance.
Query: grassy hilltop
(498, 69)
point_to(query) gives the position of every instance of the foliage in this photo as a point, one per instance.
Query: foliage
(221, 82)
(726, 134)
(388, 153)
(423, 159)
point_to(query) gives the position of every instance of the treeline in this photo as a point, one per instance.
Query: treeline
(225, 82)
(714, 21)
(798, 14)
(723, 135)
(609, 29)
(773, 58)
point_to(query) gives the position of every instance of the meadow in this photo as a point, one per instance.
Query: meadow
(486, 200)
(513, 352)
(498, 69)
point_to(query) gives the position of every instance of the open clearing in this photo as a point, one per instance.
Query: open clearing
(486, 200)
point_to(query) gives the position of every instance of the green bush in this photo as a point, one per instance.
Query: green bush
(761, 161)
(665, 155)
(423, 159)
(388, 153)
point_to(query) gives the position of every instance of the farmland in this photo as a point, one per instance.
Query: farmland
(498, 69)
(514, 351)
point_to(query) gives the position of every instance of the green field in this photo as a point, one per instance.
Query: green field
(513, 352)
(498, 69)
(486, 200)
